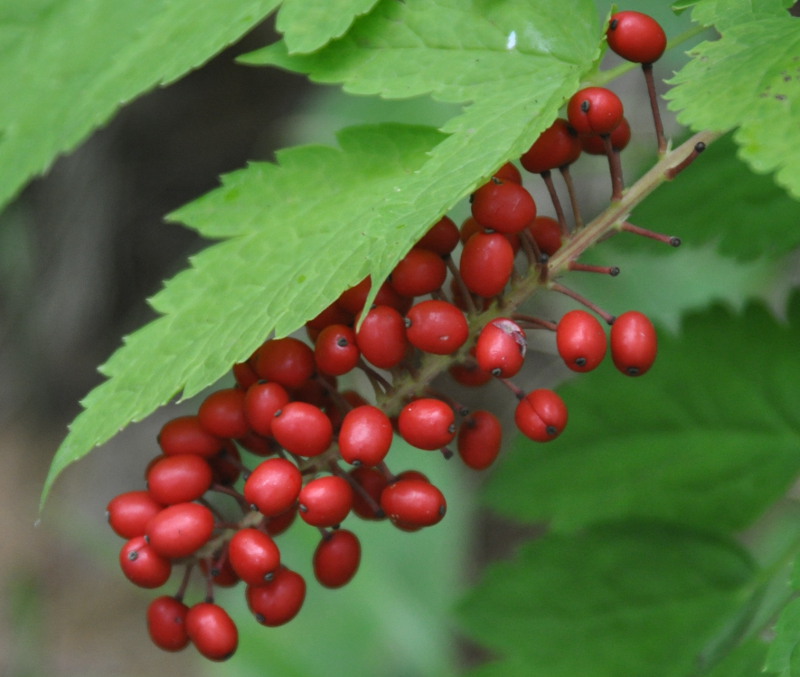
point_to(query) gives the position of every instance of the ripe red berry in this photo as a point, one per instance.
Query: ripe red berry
(487, 261)
(278, 601)
(595, 110)
(501, 348)
(333, 314)
(503, 206)
(593, 144)
(634, 343)
(287, 361)
(142, 565)
(325, 501)
(302, 429)
(212, 631)
(442, 237)
(180, 530)
(179, 478)
(185, 435)
(254, 556)
(166, 623)
(129, 513)
(581, 340)
(365, 436)
(547, 233)
(382, 337)
(470, 375)
(413, 503)
(273, 486)
(427, 423)
(335, 350)
(222, 413)
(508, 172)
(420, 272)
(336, 558)
(353, 299)
(366, 502)
(479, 439)
(220, 571)
(261, 401)
(436, 327)
(557, 146)
(636, 37)
(541, 415)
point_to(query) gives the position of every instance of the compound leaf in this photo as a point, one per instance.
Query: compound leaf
(308, 25)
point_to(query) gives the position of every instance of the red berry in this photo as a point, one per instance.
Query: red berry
(557, 146)
(222, 413)
(470, 375)
(487, 262)
(180, 530)
(636, 37)
(179, 478)
(142, 565)
(436, 327)
(372, 482)
(253, 556)
(420, 272)
(581, 340)
(541, 415)
(302, 429)
(273, 486)
(353, 299)
(382, 337)
(595, 110)
(325, 501)
(547, 233)
(620, 137)
(336, 558)
(333, 314)
(287, 361)
(634, 343)
(220, 571)
(261, 402)
(129, 513)
(166, 623)
(479, 439)
(508, 172)
(501, 348)
(427, 423)
(413, 503)
(244, 374)
(278, 601)
(503, 206)
(212, 631)
(277, 524)
(365, 436)
(185, 435)
(335, 350)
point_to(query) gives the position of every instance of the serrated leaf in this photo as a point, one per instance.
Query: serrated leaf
(724, 13)
(308, 25)
(708, 437)
(285, 251)
(617, 600)
(67, 66)
(748, 79)
(783, 656)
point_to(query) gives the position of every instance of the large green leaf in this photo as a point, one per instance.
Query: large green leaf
(708, 437)
(784, 651)
(66, 66)
(618, 600)
(750, 79)
(308, 25)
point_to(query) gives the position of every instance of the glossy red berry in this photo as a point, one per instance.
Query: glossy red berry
(487, 262)
(581, 340)
(593, 144)
(501, 348)
(179, 478)
(370, 483)
(634, 343)
(427, 423)
(636, 37)
(335, 350)
(470, 375)
(142, 565)
(365, 436)
(273, 486)
(503, 206)
(479, 439)
(413, 503)
(278, 601)
(287, 361)
(595, 110)
(353, 299)
(382, 337)
(302, 429)
(557, 146)
(541, 415)
(222, 413)
(547, 233)
(220, 571)
(332, 314)
(129, 513)
(180, 530)
(420, 272)
(185, 435)
(442, 237)
(336, 558)
(212, 631)
(325, 501)
(254, 556)
(508, 172)
(436, 327)
(277, 524)
(166, 623)
(261, 401)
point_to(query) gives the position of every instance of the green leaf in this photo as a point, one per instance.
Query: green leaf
(784, 651)
(66, 67)
(618, 600)
(746, 660)
(308, 25)
(239, 290)
(750, 79)
(724, 13)
(708, 437)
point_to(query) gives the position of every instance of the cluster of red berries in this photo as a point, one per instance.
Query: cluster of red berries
(287, 442)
